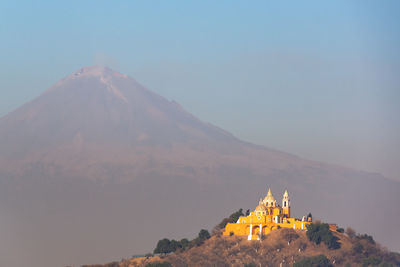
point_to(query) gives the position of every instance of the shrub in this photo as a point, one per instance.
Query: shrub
(159, 264)
(371, 261)
(252, 264)
(316, 261)
(357, 248)
(366, 237)
(393, 257)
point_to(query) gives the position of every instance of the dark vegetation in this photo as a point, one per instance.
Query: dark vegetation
(319, 232)
(231, 219)
(165, 246)
(111, 264)
(159, 264)
(316, 261)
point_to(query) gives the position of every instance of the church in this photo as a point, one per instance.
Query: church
(266, 217)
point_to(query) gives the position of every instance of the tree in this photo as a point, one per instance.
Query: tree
(231, 219)
(184, 243)
(204, 234)
(174, 245)
(319, 232)
(163, 246)
(331, 241)
(314, 232)
(247, 212)
(369, 238)
(235, 216)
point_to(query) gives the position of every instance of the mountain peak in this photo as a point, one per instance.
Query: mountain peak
(104, 74)
(97, 70)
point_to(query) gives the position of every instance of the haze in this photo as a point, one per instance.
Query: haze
(320, 80)
(116, 114)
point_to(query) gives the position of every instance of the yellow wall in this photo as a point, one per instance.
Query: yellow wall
(243, 229)
(264, 222)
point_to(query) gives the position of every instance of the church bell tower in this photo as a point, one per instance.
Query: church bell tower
(286, 204)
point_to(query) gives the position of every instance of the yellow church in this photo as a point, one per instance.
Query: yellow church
(266, 217)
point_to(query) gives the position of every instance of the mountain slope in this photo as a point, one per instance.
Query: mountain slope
(100, 161)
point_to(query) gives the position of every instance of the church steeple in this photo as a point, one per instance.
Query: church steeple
(286, 203)
(285, 200)
(269, 200)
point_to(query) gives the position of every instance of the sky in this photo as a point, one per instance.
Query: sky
(319, 79)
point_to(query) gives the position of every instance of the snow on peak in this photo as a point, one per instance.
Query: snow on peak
(97, 70)
(104, 74)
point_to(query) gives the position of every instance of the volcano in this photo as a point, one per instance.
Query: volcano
(98, 167)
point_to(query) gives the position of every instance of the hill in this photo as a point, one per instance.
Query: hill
(283, 247)
(100, 161)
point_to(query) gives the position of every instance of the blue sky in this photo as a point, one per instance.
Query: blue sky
(315, 78)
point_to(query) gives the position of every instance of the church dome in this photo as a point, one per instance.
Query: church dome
(260, 208)
(269, 200)
(269, 197)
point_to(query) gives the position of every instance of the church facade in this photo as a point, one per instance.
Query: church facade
(266, 217)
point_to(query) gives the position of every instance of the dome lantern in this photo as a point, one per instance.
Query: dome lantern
(269, 200)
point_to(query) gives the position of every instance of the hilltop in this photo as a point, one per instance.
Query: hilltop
(282, 246)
